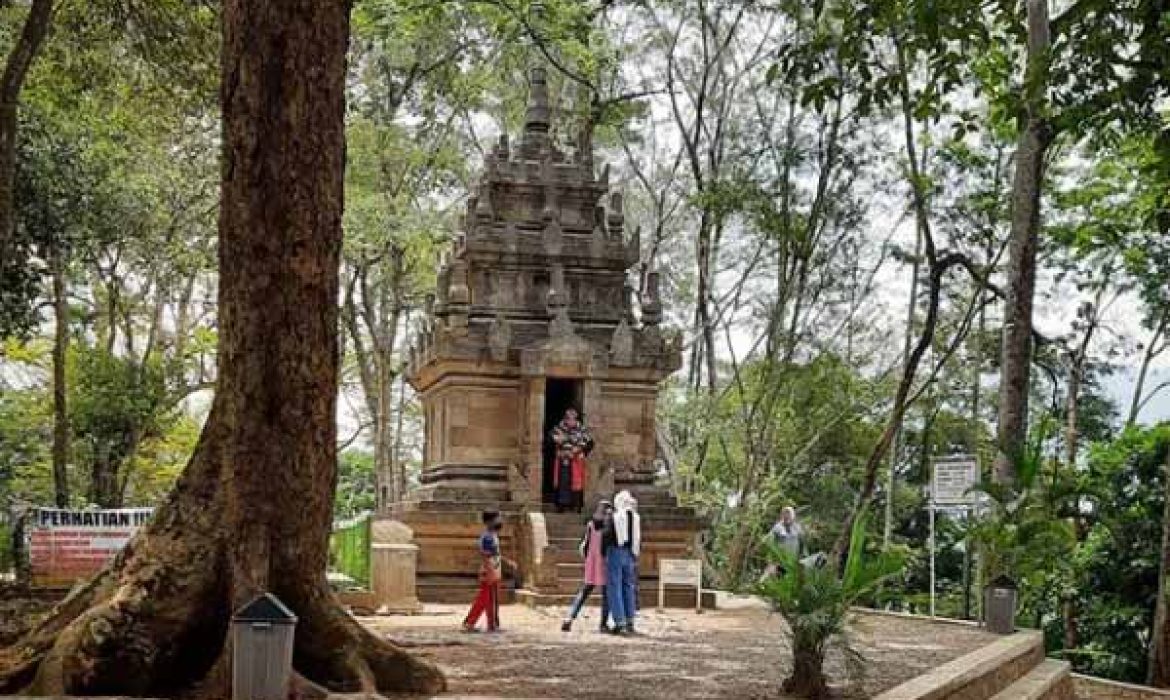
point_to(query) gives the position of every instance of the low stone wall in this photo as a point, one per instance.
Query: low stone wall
(1090, 688)
(978, 675)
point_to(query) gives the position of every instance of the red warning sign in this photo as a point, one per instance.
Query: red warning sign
(65, 546)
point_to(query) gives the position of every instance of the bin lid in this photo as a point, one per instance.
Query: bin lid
(1003, 581)
(265, 608)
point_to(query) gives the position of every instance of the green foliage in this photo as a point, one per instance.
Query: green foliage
(115, 406)
(1089, 538)
(349, 549)
(1115, 584)
(356, 484)
(123, 419)
(815, 601)
(781, 435)
(110, 77)
(7, 561)
(25, 436)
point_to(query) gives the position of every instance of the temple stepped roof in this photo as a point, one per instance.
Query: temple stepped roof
(543, 241)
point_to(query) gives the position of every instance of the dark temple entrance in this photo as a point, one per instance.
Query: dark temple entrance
(559, 396)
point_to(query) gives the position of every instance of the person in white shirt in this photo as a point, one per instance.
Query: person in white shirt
(786, 534)
(622, 543)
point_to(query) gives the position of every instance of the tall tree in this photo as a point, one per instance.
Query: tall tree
(156, 620)
(16, 68)
(60, 403)
(1158, 673)
(1036, 135)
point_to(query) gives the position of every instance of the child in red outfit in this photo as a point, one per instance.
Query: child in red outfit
(490, 575)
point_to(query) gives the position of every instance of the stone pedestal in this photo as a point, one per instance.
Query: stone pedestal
(392, 572)
(393, 565)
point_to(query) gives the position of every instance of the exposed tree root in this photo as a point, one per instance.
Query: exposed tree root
(253, 509)
(156, 623)
(124, 640)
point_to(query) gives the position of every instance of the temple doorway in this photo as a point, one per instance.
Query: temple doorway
(559, 396)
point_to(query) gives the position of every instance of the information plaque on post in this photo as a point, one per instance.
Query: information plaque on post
(680, 572)
(952, 481)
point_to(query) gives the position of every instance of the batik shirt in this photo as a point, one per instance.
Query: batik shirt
(578, 437)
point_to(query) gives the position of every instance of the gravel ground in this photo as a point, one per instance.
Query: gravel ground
(740, 651)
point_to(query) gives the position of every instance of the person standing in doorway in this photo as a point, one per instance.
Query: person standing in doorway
(594, 568)
(573, 443)
(622, 542)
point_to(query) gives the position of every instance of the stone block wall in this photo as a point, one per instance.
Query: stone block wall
(625, 428)
(472, 424)
(1090, 688)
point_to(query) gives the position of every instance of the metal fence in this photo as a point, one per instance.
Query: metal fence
(349, 549)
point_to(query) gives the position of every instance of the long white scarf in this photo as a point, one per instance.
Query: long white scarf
(627, 522)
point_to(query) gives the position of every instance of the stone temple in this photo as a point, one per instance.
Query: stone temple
(533, 314)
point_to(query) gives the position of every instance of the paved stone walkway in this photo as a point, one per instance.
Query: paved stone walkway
(740, 652)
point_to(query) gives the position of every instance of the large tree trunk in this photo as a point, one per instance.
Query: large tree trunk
(20, 58)
(60, 407)
(104, 485)
(1158, 670)
(252, 511)
(397, 468)
(1016, 353)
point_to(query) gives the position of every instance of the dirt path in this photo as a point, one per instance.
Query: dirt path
(739, 653)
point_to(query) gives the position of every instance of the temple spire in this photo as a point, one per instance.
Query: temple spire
(537, 116)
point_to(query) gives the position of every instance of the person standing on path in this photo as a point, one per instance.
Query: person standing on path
(491, 571)
(785, 534)
(622, 543)
(594, 567)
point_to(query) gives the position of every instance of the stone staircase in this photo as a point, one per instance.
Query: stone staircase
(1011, 668)
(564, 531)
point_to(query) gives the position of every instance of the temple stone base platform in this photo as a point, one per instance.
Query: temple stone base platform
(544, 544)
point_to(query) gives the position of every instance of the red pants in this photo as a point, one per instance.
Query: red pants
(487, 601)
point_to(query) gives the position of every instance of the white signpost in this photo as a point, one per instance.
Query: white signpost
(951, 481)
(680, 572)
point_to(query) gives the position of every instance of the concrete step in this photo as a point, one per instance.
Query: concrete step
(979, 675)
(571, 570)
(455, 472)
(1051, 680)
(565, 544)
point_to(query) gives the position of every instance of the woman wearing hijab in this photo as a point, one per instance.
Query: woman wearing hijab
(594, 576)
(622, 543)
